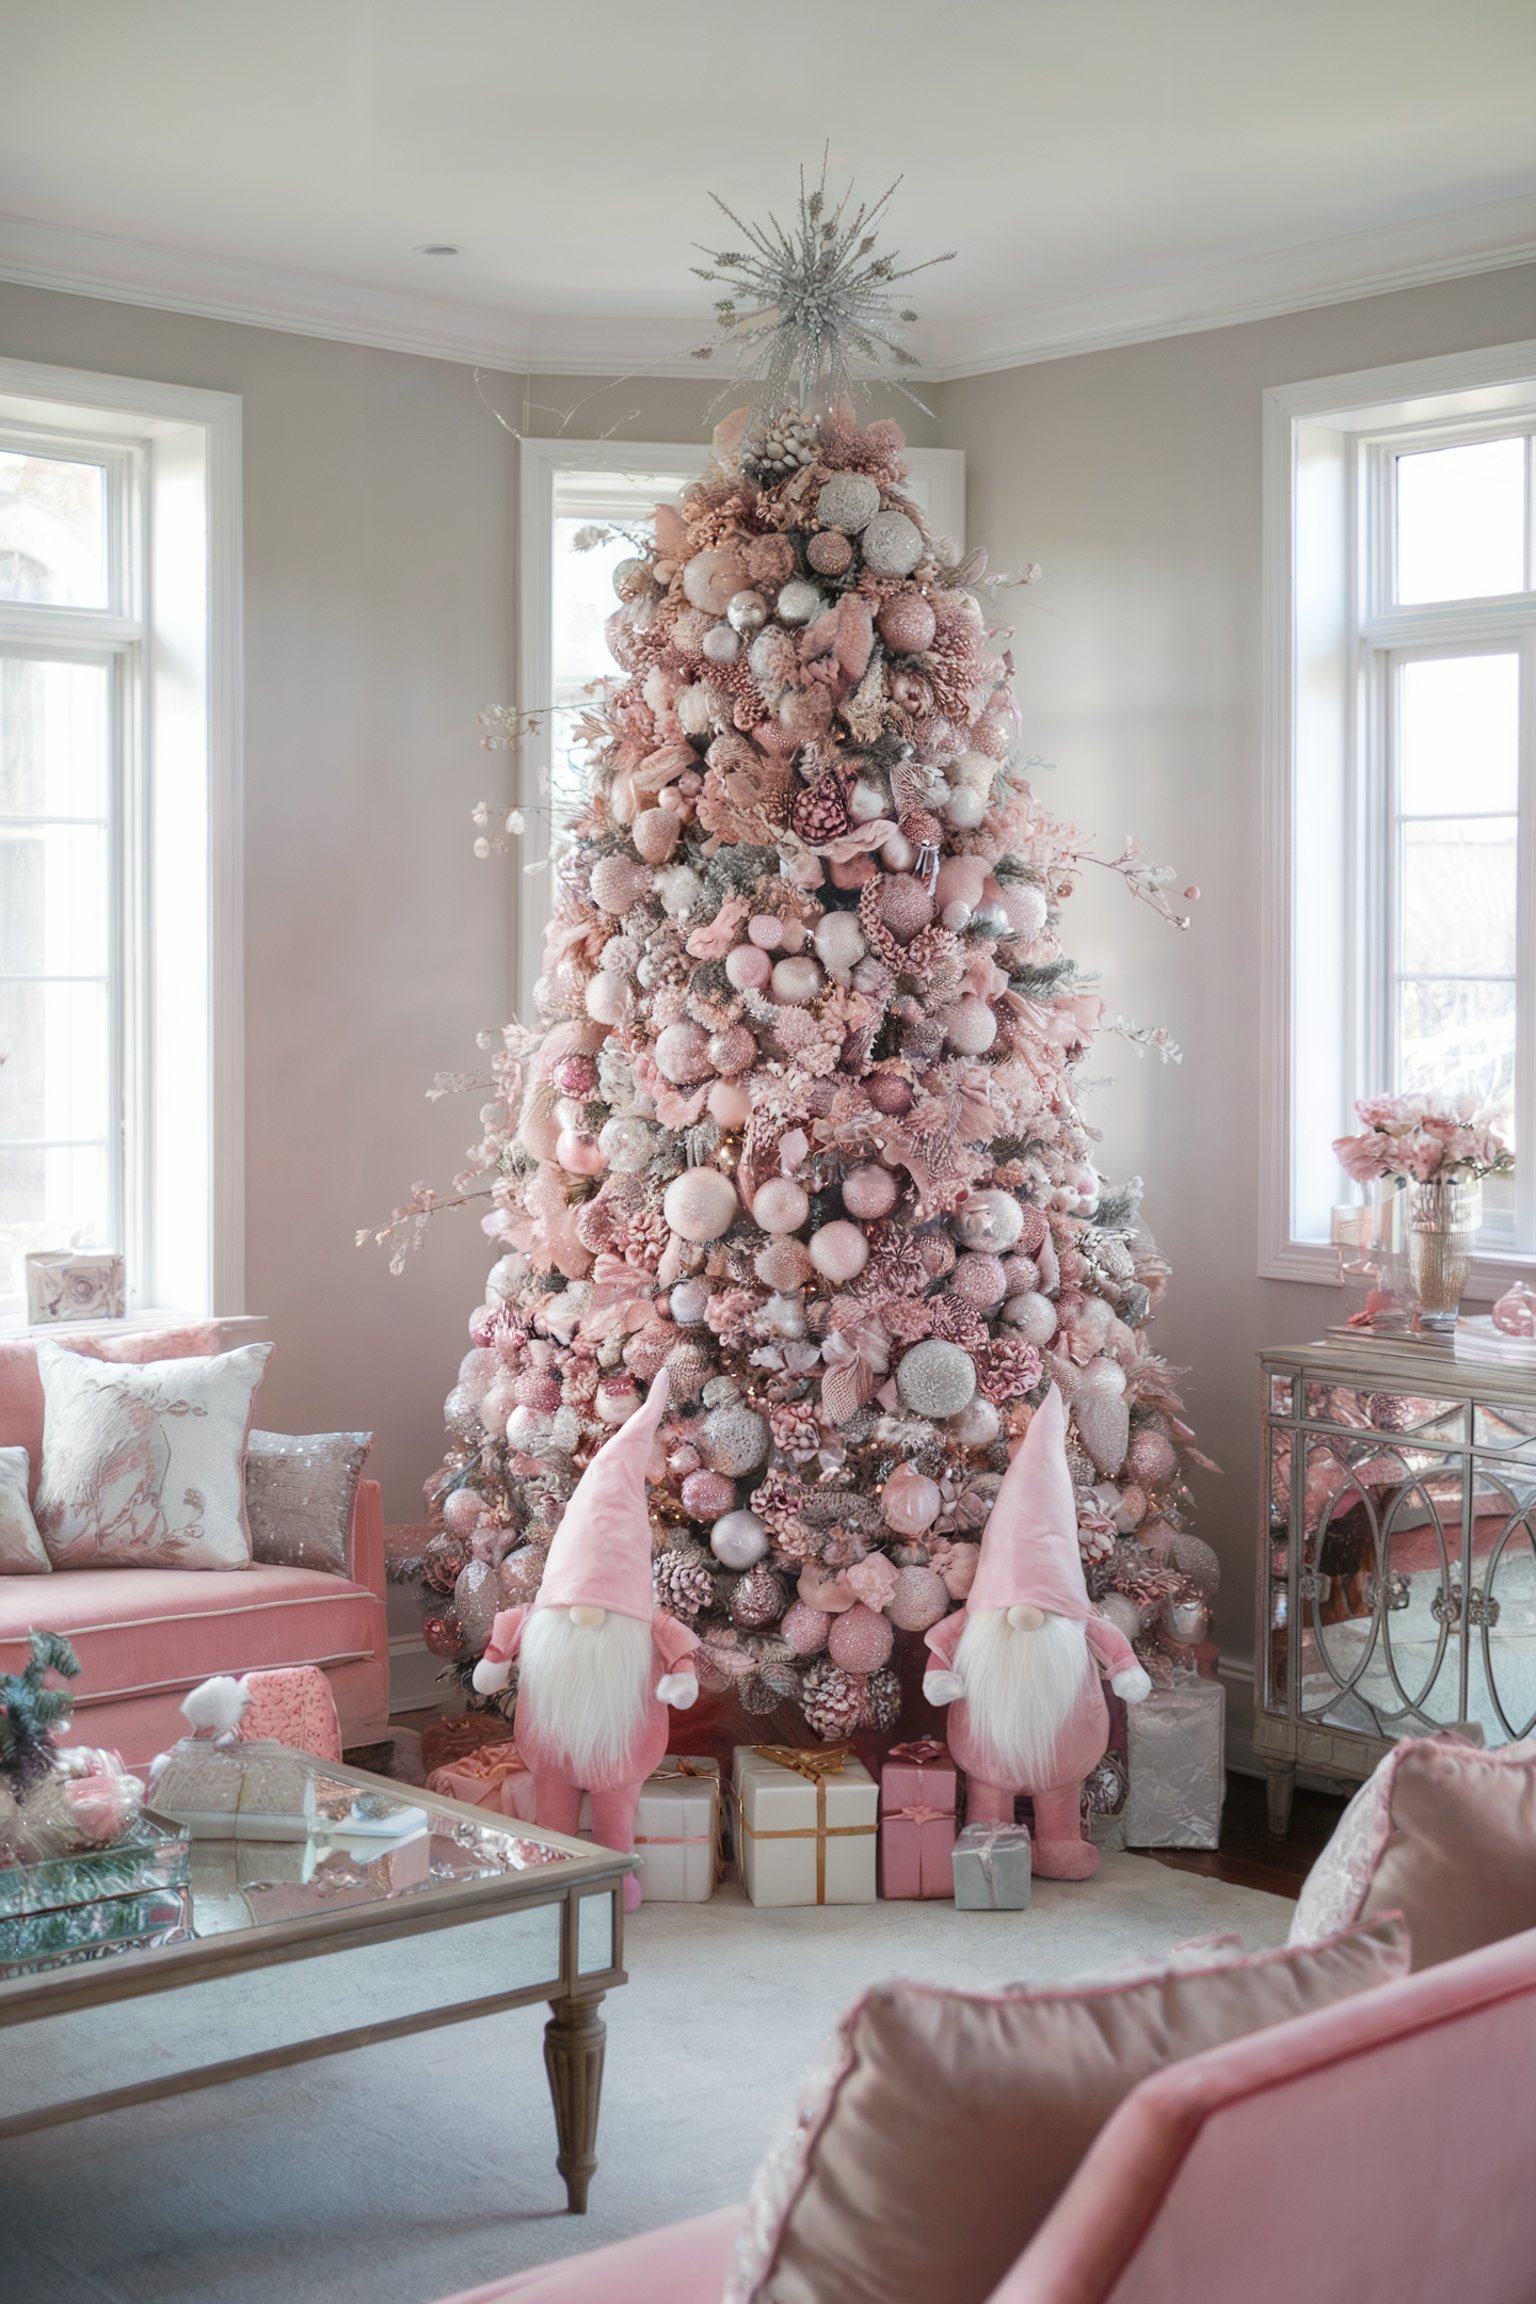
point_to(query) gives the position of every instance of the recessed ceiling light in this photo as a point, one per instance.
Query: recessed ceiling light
(439, 248)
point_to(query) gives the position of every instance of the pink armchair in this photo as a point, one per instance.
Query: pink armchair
(1381, 2148)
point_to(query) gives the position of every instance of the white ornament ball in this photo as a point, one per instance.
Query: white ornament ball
(893, 544)
(798, 602)
(970, 1026)
(1026, 907)
(680, 889)
(606, 999)
(738, 1540)
(898, 854)
(977, 1426)
(627, 1143)
(747, 968)
(722, 645)
(849, 500)
(700, 1205)
(1033, 1316)
(746, 612)
(1117, 1609)
(688, 1302)
(989, 1219)
(956, 917)
(935, 1378)
(780, 1204)
(682, 1054)
(964, 808)
(920, 1599)
(839, 1251)
(797, 979)
(839, 942)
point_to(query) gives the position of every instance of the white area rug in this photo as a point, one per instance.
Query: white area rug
(402, 2172)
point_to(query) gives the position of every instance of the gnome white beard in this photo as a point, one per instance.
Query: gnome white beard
(586, 1686)
(1021, 1688)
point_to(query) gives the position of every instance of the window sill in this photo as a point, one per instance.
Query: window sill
(1315, 1263)
(234, 1328)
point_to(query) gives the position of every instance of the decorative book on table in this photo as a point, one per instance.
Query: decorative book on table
(807, 1824)
(133, 1892)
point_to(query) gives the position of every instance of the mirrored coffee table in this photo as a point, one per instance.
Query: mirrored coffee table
(359, 1933)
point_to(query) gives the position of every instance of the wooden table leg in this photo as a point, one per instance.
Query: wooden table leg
(574, 2040)
(1280, 1785)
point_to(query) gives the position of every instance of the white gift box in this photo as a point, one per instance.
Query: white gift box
(1174, 1756)
(808, 1825)
(677, 1831)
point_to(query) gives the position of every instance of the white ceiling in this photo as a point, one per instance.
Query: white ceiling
(1107, 169)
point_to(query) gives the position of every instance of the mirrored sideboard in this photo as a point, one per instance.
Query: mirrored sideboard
(1397, 1555)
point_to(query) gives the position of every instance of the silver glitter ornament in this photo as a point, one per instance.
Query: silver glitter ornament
(734, 1440)
(892, 544)
(746, 611)
(849, 500)
(936, 1379)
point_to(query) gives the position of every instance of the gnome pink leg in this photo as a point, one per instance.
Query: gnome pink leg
(1060, 1851)
(987, 1803)
(556, 1804)
(613, 1826)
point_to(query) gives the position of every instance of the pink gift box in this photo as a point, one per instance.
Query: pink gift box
(493, 1777)
(918, 1792)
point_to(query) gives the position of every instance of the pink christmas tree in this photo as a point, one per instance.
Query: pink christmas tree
(797, 1122)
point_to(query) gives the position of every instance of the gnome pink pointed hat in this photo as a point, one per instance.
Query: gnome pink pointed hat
(1029, 1546)
(601, 1555)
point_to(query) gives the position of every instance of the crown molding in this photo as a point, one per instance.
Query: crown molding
(1334, 271)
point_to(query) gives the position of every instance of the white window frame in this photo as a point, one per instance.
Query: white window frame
(1332, 638)
(179, 1030)
(940, 470)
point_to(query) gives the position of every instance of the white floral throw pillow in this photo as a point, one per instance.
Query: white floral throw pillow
(145, 1467)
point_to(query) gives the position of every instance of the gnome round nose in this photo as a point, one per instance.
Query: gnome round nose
(598, 1662)
(1029, 1715)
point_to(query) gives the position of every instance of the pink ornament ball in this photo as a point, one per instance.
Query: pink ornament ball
(710, 579)
(732, 1051)
(682, 1054)
(576, 1076)
(619, 882)
(906, 906)
(730, 1104)
(606, 998)
(579, 1154)
(655, 834)
(1515, 1312)
(830, 553)
(747, 967)
(911, 1502)
(804, 1629)
(979, 1281)
(1151, 1459)
(461, 1511)
(708, 1495)
(889, 1093)
(797, 979)
(1026, 907)
(918, 1600)
(780, 1205)
(869, 1191)
(907, 623)
(860, 1639)
(970, 1026)
(538, 1389)
(700, 1205)
(785, 1263)
(839, 1251)
(766, 932)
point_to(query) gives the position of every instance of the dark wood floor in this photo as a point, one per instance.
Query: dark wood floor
(1249, 1856)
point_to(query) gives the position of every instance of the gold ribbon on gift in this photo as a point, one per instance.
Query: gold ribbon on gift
(815, 1766)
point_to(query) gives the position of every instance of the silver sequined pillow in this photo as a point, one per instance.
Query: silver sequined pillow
(299, 1493)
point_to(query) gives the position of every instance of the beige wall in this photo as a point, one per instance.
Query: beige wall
(1134, 478)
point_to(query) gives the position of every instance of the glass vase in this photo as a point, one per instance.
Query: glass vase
(1443, 1220)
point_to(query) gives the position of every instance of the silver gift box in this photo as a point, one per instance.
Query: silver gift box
(1174, 1755)
(992, 1872)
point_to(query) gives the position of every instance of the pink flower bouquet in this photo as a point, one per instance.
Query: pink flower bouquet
(1414, 1140)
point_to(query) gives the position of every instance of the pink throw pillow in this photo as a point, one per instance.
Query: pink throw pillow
(21, 1386)
(939, 2128)
(1443, 1833)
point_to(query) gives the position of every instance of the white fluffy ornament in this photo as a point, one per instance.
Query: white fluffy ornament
(700, 1205)
(679, 889)
(722, 645)
(839, 942)
(688, 1302)
(780, 1204)
(964, 808)
(682, 1054)
(797, 979)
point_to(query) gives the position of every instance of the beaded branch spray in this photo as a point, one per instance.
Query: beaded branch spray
(800, 1116)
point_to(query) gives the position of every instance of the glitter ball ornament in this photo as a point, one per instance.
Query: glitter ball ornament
(757, 1599)
(1033, 1315)
(839, 1251)
(700, 1205)
(441, 1632)
(805, 1629)
(889, 1093)
(682, 1054)
(989, 1219)
(738, 1540)
(797, 979)
(784, 1264)
(882, 1702)
(655, 833)
(1026, 907)
(732, 1051)
(892, 544)
(970, 1026)
(734, 1439)
(707, 1494)
(1151, 1457)
(1193, 1557)
(780, 1205)
(979, 1280)
(627, 1143)
(832, 1700)
(757, 1695)
(476, 1598)
(976, 1426)
(919, 1599)
(936, 1379)
(688, 1369)
(682, 1580)
(443, 1559)
(849, 500)
(747, 968)
(906, 906)
(907, 623)
(869, 1191)
(519, 1575)
(461, 1511)
(619, 882)
(830, 553)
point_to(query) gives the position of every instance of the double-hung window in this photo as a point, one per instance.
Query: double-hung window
(584, 506)
(1401, 772)
(119, 898)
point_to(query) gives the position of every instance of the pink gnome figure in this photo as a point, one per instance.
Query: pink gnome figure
(598, 1661)
(1020, 1663)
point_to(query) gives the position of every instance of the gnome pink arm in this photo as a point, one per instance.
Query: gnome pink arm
(494, 1669)
(1116, 1659)
(941, 1682)
(674, 1644)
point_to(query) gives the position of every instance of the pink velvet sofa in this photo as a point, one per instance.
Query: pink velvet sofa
(1379, 2149)
(144, 1636)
